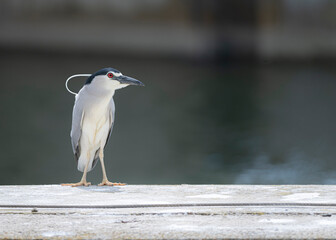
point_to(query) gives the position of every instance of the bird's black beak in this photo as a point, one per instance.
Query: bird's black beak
(128, 80)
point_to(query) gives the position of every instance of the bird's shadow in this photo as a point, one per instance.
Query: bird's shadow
(107, 189)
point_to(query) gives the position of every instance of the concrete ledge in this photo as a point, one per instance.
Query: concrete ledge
(166, 212)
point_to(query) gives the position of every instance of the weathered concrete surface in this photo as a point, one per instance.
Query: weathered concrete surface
(168, 222)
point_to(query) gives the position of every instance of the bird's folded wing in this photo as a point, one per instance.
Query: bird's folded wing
(76, 128)
(111, 119)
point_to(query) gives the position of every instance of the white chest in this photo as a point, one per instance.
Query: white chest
(96, 120)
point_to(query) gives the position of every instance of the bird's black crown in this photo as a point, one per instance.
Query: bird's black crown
(103, 71)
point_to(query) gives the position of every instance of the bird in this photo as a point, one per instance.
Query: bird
(93, 118)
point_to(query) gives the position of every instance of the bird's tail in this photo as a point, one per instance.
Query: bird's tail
(82, 161)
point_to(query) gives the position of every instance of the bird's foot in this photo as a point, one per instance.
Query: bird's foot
(108, 183)
(81, 183)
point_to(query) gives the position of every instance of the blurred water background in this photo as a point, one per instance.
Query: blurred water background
(237, 92)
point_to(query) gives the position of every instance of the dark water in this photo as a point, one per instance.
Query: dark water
(192, 123)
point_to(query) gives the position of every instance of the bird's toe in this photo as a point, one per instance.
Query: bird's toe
(108, 183)
(77, 184)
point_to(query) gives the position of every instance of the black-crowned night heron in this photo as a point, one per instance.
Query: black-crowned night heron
(93, 118)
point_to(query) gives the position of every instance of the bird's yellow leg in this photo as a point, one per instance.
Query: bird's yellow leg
(83, 181)
(105, 180)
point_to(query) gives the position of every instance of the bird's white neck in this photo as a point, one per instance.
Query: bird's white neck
(102, 87)
(97, 99)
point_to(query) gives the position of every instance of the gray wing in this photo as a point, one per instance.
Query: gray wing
(111, 119)
(76, 128)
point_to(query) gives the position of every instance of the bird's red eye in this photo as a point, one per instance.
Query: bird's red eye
(110, 75)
